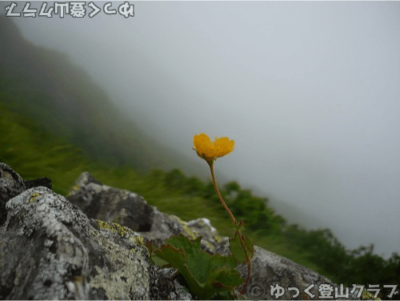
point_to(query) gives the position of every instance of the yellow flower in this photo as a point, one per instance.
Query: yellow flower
(209, 150)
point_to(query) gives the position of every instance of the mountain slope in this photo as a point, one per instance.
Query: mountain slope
(44, 85)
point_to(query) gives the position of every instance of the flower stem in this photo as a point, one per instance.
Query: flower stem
(248, 262)
(234, 221)
(219, 194)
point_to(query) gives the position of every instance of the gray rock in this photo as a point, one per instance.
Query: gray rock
(109, 204)
(277, 274)
(165, 226)
(12, 184)
(51, 250)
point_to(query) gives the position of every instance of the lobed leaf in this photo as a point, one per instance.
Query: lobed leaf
(206, 274)
(237, 249)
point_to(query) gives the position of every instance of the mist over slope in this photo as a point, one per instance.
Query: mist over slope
(46, 86)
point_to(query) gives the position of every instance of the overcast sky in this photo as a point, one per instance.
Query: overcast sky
(309, 91)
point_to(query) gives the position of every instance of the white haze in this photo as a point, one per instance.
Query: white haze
(310, 92)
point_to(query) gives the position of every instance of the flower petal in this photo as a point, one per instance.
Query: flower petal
(223, 146)
(209, 150)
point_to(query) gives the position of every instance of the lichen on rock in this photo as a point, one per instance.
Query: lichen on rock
(66, 255)
(12, 184)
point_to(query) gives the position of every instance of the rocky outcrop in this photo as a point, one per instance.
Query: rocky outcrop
(110, 204)
(12, 184)
(51, 250)
(90, 245)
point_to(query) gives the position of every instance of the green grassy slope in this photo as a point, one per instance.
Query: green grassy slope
(43, 85)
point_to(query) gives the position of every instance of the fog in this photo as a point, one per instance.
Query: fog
(309, 91)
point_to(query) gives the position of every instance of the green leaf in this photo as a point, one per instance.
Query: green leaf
(239, 225)
(160, 262)
(237, 249)
(206, 274)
